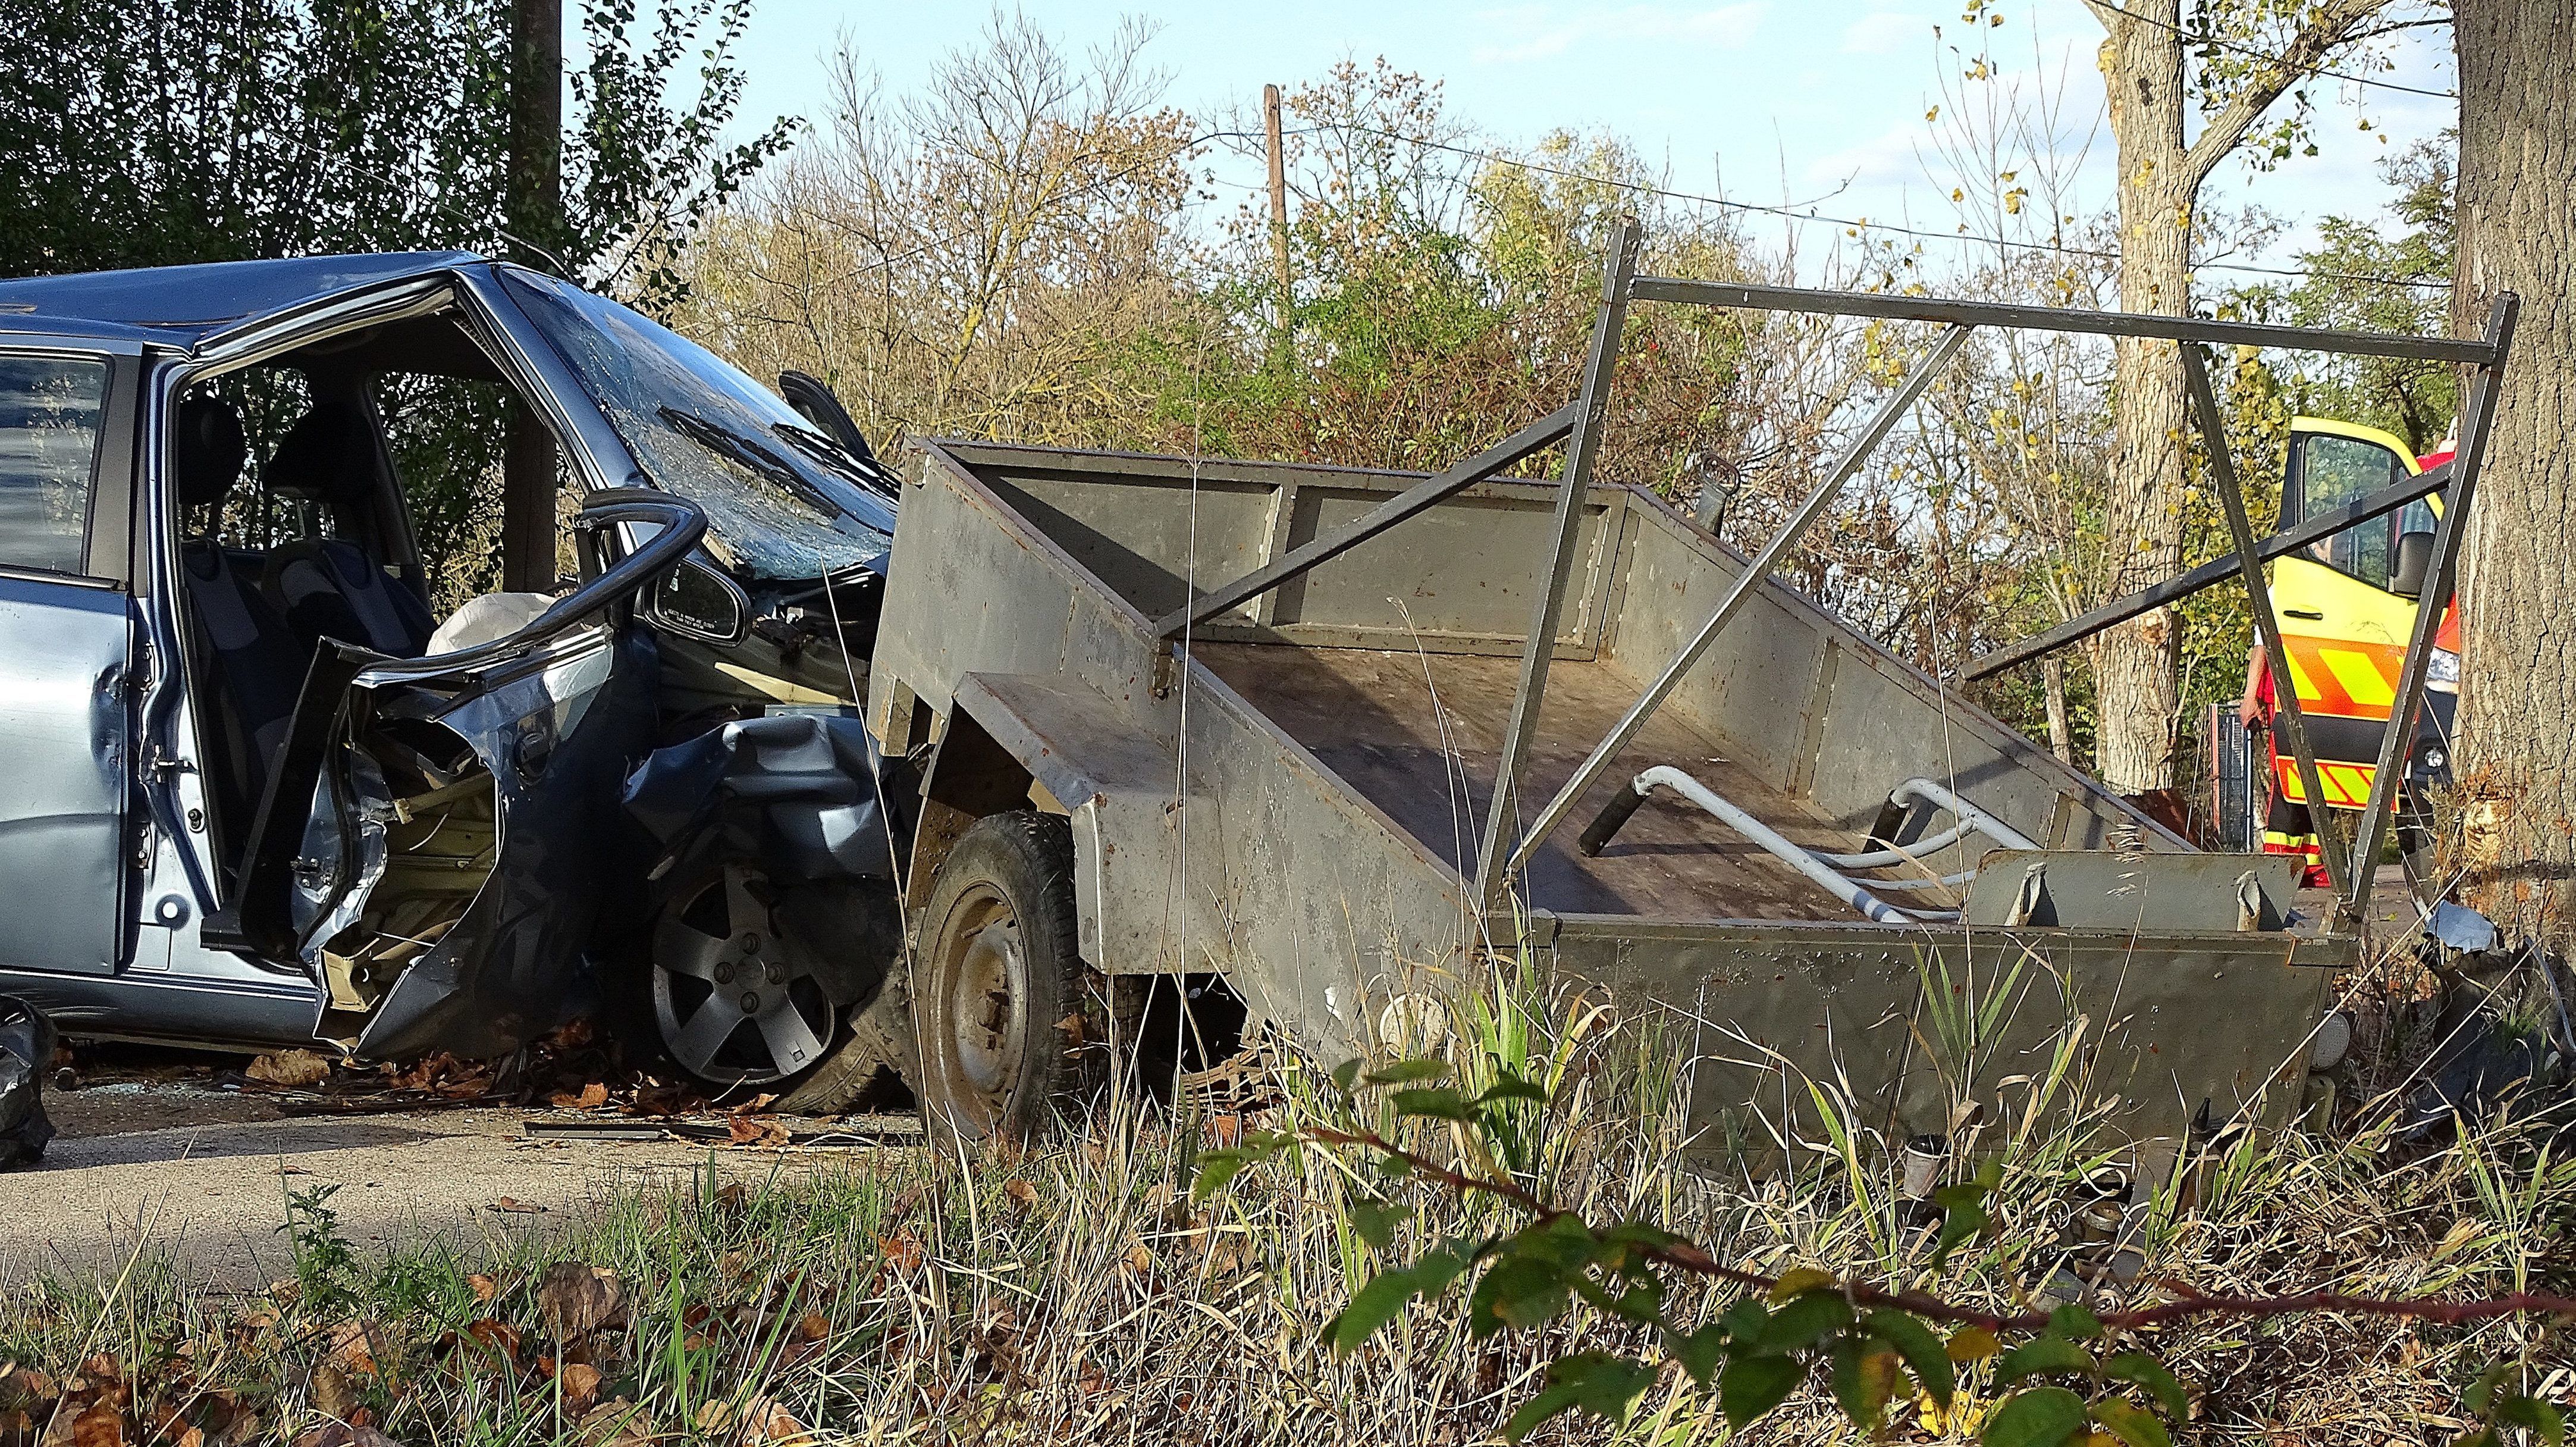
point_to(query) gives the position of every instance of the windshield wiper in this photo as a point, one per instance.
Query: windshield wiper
(830, 455)
(743, 452)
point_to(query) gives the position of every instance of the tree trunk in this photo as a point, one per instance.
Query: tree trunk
(2518, 681)
(536, 216)
(2135, 664)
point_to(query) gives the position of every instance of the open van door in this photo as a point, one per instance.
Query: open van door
(2345, 604)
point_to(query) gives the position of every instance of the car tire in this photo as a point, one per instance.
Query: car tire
(727, 996)
(1008, 1023)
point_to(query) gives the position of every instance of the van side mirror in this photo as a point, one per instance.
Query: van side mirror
(2414, 560)
(696, 601)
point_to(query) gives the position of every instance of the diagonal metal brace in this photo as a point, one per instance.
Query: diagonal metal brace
(1755, 573)
(2218, 570)
(2222, 470)
(1422, 496)
(2477, 425)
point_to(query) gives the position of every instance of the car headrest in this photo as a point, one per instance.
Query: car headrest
(207, 450)
(329, 456)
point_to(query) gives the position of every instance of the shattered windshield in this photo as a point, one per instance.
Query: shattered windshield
(782, 499)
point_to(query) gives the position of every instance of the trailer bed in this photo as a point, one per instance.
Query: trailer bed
(1417, 734)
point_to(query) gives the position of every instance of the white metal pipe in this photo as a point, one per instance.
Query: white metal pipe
(1965, 812)
(1666, 776)
(1883, 858)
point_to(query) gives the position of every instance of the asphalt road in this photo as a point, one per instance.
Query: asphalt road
(203, 1174)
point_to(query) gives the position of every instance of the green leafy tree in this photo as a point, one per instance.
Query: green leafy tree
(167, 132)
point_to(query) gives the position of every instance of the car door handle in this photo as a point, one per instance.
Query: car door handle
(2312, 617)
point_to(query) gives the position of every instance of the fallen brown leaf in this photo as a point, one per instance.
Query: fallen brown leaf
(580, 1383)
(97, 1425)
(483, 1287)
(352, 1346)
(747, 1131)
(295, 1069)
(574, 1298)
(616, 1423)
(755, 1423)
(1022, 1192)
(24, 1389)
(590, 1097)
(500, 1336)
(333, 1393)
(902, 1250)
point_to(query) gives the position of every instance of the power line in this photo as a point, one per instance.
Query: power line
(2257, 51)
(1860, 225)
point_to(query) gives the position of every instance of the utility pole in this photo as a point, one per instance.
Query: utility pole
(1278, 195)
(536, 218)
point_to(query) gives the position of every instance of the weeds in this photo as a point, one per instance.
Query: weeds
(1073, 1293)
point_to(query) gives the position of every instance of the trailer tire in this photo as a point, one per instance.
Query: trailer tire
(1009, 1025)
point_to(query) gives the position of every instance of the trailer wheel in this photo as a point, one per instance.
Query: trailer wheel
(1005, 1018)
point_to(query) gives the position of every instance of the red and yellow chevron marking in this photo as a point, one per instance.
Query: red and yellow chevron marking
(2347, 786)
(2343, 676)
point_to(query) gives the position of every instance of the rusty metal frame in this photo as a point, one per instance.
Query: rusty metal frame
(1618, 281)
(2477, 419)
(2486, 353)
(2286, 720)
(1502, 847)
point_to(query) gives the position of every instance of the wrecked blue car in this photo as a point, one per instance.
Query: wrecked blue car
(271, 781)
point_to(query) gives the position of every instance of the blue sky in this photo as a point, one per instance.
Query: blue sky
(1772, 99)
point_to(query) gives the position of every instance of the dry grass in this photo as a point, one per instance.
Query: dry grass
(1072, 1293)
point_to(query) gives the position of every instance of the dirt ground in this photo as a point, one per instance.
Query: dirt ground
(167, 1155)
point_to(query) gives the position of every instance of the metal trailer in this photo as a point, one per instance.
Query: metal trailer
(1336, 782)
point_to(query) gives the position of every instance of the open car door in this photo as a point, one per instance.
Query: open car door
(431, 842)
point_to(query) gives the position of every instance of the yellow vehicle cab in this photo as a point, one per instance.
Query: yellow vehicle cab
(2346, 606)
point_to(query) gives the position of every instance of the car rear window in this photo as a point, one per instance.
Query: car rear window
(50, 408)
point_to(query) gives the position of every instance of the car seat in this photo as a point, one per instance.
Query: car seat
(330, 587)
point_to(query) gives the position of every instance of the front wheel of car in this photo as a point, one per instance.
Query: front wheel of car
(734, 1001)
(1002, 1004)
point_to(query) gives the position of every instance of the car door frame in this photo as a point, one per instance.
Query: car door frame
(169, 720)
(101, 591)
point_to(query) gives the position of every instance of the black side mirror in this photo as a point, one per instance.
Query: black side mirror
(698, 601)
(815, 403)
(2414, 560)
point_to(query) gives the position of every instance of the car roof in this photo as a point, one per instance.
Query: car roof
(180, 305)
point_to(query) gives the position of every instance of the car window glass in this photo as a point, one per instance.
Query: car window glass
(50, 410)
(782, 500)
(2417, 517)
(2334, 471)
(253, 517)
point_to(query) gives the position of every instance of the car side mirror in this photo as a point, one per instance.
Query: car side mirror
(2414, 560)
(816, 403)
(695, 600)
